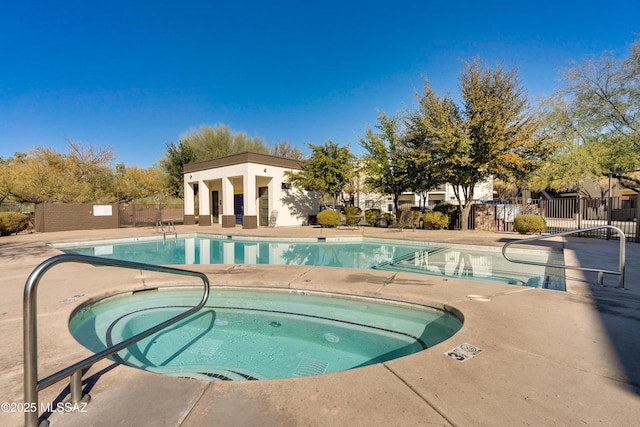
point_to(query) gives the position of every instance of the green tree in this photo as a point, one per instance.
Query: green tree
(134, 183)
(576, 168)
(5, 176)
(490, 134)
(595, 119)
(173, 166)
(424, 174)
(327, 171)
(27, 179)
(45, 176)
(386, 164)
(209, 142)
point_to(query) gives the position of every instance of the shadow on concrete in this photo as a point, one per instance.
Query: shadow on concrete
(12, 252)
(618, 309)
(87, 386)
(619, 312)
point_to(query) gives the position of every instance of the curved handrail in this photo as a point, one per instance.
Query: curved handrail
(600, 271)
(31, 383)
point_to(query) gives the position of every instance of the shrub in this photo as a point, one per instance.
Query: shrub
(445, 207)
(353, 214)
(388, 218)
(435, 220)
(329, 218)
(372, 216)
(524, 224)
(415, 218)
(13, 222)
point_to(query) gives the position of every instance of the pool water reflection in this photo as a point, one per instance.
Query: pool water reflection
(469, 262)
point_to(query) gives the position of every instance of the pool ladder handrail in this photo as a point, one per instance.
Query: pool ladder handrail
(170, 225)
(31, 383)
(600, 271)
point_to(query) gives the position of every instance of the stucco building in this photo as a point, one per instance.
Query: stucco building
(247, 189)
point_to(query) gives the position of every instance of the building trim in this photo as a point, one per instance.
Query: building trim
(245, 157)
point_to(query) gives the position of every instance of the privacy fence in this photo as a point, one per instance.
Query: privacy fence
(47, 217)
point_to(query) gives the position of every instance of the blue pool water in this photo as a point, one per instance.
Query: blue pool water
(246, 334)
(469, 262)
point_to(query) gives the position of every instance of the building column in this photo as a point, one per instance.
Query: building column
(250, 217)
(189, 203)
(228, 218)
(204, 198)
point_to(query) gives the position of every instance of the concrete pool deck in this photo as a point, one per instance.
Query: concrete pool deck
(548, 357)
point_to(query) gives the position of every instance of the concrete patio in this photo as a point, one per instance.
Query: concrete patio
(548, 357)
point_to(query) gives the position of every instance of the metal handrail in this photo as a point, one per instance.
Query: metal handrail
(170, 225)
(600, 271)
(31, 383)
(159, 224)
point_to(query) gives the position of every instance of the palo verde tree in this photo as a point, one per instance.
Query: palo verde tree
(45, 176)
(209, 143)
(328, 170)
(134, 183)
(212, 142)
(385, 163)
(490, 134)
(285, 149)
(595, 118)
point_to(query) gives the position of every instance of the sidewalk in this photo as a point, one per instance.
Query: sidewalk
(548, 357)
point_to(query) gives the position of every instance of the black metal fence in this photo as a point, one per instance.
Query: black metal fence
(572, 214)
(562, 215)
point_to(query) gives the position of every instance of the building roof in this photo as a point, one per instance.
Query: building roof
(246, 157)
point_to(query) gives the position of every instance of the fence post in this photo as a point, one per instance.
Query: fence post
(609, 209)
(580, 210)
(637, 222)
(577, 211)
(133, 209)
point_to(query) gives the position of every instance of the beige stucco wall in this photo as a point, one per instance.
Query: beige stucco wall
(245, 174)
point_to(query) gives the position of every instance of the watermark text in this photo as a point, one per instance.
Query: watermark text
(23, 407)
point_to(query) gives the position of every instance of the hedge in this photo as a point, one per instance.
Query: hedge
(524, 224)
(372, 216)
(329, 218)
(415, 218)
(435, 220)
(353, 214)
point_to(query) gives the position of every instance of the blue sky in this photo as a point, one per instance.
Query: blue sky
(135, 75)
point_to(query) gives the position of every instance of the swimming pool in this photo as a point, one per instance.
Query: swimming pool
(250, 334)
(463, 261)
